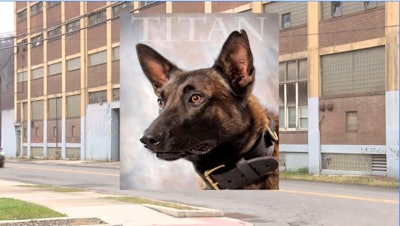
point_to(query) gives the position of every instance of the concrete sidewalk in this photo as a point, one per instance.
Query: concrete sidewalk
(87, 204)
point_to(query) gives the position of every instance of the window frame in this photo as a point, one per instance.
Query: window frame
(287, 15)
(333, 7)
(97, 18)
(286, 109)
(36, 8)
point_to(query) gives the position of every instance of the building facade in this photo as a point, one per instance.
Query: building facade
(338, 81)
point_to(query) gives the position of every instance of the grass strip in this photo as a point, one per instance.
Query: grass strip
(14, 209)
(52, 188)
(302, 174)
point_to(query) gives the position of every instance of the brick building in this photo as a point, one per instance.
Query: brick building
(338, 81)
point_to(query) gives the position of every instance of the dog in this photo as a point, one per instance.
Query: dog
(211, 118)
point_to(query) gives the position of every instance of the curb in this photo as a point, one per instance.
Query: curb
(193, 212)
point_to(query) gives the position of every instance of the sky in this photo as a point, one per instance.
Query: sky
(6, 17)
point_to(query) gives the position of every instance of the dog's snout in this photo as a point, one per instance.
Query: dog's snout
(150, 140)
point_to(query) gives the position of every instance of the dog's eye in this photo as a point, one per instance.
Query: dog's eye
(196, 99)
(160, 103)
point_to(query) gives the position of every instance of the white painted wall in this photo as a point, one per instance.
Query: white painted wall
(8, 140)
(392, 133)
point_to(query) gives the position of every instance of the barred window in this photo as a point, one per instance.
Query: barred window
(37, 41)
(73, 106)
(37, 8)
(37, 73)
(54, 69)
(74, 64)
(21, 15)
(54, 108)
(121, 8)
(293, 12)
(22, 76)
(54, 33)
(98, 97)
(37, 110)
(73, 26)
(293, 94)
(97, 18)
(357, 72)
(115, 53)
(98, 58)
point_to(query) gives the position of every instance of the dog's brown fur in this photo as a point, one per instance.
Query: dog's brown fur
(207, 116)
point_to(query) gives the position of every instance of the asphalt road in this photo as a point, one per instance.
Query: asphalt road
(296, 203)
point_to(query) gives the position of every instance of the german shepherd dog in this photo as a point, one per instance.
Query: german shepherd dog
(210, 117)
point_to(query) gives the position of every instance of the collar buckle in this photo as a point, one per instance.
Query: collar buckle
(207, 174)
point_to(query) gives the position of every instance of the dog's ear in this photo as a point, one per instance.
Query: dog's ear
(156, 68)
(235, 62)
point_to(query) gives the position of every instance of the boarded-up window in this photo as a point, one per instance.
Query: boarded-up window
(353, 73)
(54, 69)
(22, 76)
(98, 97)
(73, 106)
(37, 73)
(98, 58)
(37, 110)
(73, 64)
(54, 108)
(351, 121)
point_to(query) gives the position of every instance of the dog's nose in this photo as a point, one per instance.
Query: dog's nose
(150, 140)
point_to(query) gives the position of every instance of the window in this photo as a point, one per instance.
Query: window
(54, 33)
(295, 12)
(121, 8)
(285, 20)
(51, 4)
(73, 106)
(116, 94)
(145, 3)
(54, 108)
(98, 97)
(37, 73)
(370, 5)
(98, 58)
(115, 53)
(336, 9)
(293, 94)
(37, 8)
(97, 18)
(74, 64)
(37, 131)
(351, 121)
(37, 41)
(37, 110)
(22, 45)
(73, 26)
(359, 72)
(22, 76)
(21, 15)
(54, 69)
